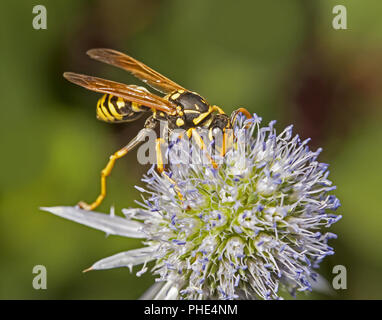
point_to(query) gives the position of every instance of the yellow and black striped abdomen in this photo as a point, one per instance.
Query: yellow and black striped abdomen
(114, 109)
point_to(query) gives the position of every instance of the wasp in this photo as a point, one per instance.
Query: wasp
(179, 108)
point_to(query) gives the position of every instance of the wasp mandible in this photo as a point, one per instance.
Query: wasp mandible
(179, 108)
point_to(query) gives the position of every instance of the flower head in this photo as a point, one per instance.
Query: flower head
(243, 230)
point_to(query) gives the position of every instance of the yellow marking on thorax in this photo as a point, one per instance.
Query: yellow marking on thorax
(191, 111)
(175, 96)
(207, 123)
(179, 111)
(202, 116)
(179, 122)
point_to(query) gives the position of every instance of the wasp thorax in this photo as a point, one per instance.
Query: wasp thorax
(189, 101)
(190, 106)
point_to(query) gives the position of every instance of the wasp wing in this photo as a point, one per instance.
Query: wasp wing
(136, 68)
(128, 92)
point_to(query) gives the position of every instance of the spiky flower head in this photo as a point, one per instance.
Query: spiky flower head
(242, 230)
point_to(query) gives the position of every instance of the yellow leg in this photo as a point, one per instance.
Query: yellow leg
(224, 146)
(107, 170)
(193, 133)
(160, 168)
(227, 141)
(218, 109)
(180, 196)
(104, 174)
(158, 150)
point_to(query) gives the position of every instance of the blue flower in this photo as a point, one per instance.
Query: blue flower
(244, 230)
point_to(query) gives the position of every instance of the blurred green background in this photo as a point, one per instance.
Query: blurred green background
(280, 59)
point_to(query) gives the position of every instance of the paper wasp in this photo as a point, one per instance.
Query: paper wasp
(179, 108)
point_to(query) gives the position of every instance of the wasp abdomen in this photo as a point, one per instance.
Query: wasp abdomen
(115, 109)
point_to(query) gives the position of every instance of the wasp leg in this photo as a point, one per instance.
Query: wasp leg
(158, 143)
(193, 133)
(150, 124)
(218, 109)
(228, 138)
(225, 141)
(180, 196)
